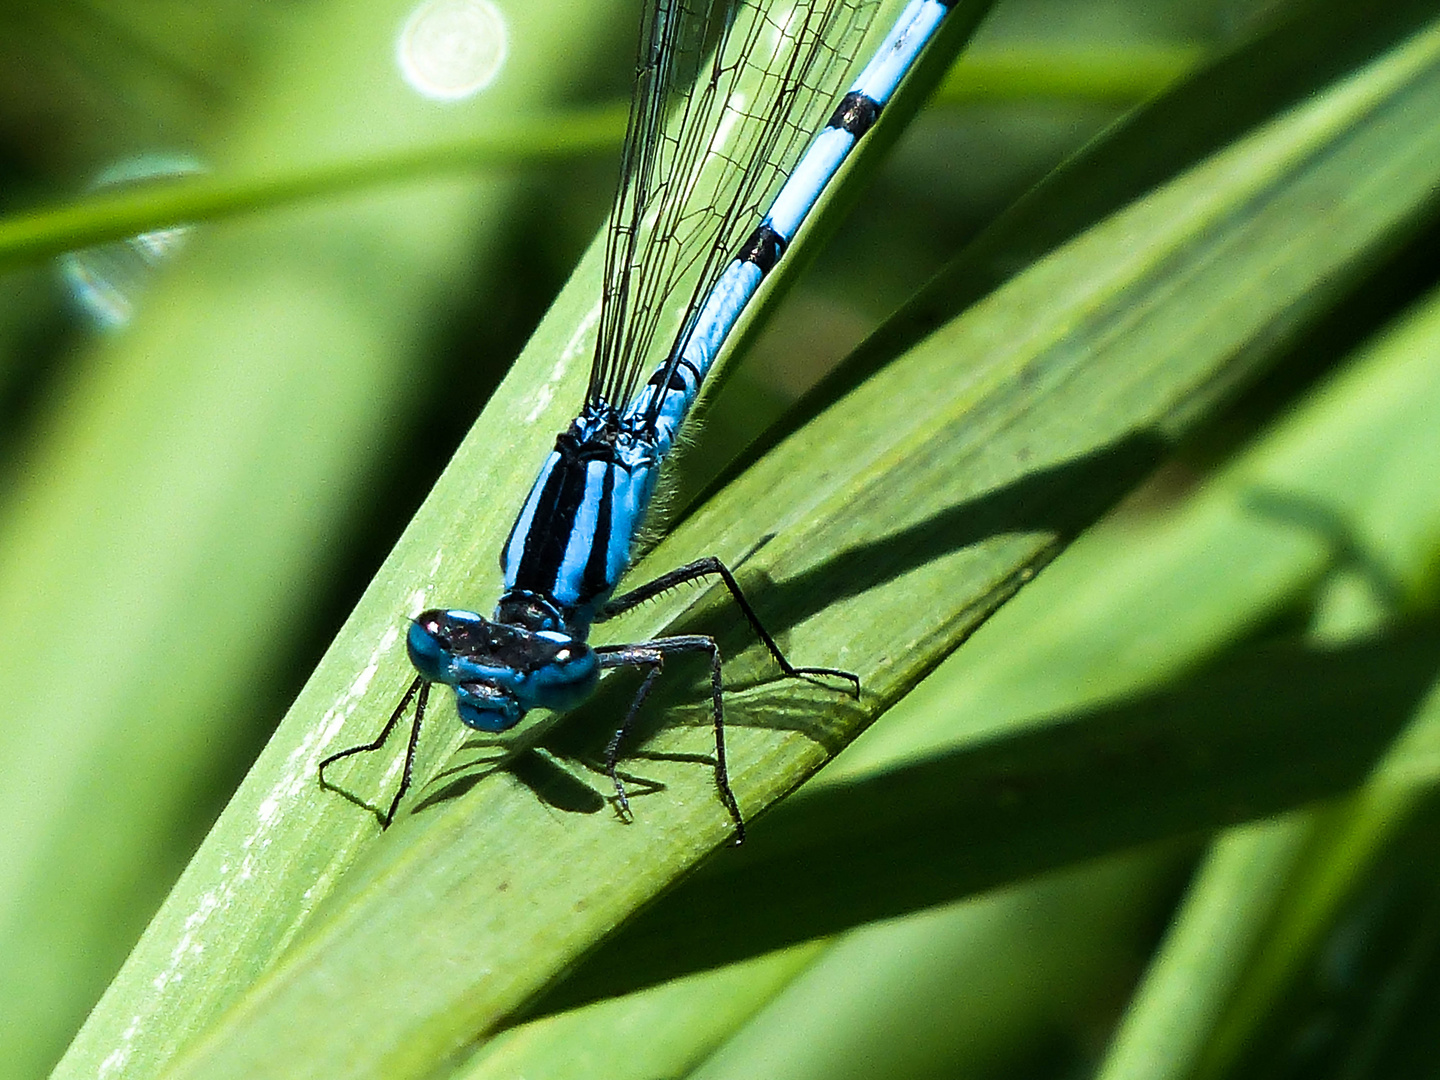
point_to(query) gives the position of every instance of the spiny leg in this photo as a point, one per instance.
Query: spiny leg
(651, 655)
(419, 686)
(713, 567)
(612, 749)
(374, 744)
(409, 772)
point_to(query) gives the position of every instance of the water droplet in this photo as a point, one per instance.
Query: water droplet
(106, 280)
(450, 49)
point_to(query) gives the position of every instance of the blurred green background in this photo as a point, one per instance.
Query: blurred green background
(208, 446)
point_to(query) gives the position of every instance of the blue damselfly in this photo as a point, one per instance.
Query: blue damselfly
(719, 171)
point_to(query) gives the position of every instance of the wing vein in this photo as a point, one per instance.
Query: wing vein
(728, 94)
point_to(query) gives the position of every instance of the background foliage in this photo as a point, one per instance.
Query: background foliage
(1146, 289)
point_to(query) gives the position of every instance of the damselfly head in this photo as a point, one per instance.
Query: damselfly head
(499, 671)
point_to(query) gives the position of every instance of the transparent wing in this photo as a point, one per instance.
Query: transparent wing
(728, 94)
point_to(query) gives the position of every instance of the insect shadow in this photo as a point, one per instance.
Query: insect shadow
(557, 759)
(1039, 499)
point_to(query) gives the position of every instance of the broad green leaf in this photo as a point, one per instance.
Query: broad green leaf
(1000, 985)
(1387, 825)
(980, 983)
(949, 481)
(1361, 448)
(666, 1031)
(1121, 75)
(282, 845)
(1227, 909)
(1257, 82)
(1130, 604)
(1255, 737)
(1206, 993)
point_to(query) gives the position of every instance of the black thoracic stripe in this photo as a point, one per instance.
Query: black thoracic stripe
(855, 113)
(596, 580)
(554, 520)
(672, 382)
(763, 248)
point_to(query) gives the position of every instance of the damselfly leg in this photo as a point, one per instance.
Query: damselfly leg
(650, 655)
(419, 692)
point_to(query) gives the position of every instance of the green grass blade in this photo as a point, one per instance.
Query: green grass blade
(1121, 76)
(1364, 447)
(1226, 911)
(986, 988)
(948, 483)
(1259, 81)
(117, 215)
(973, 986)
(1389, 822)
(665, 1032)
(266, 867)
(178, 508)
(1383, 555)
(1298, 725)
(1206, 994)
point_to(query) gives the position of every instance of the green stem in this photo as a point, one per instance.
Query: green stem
(108, 216)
